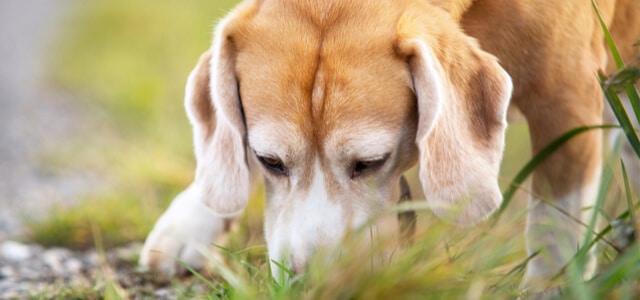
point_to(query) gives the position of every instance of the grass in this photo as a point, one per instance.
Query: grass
(130, 60)
(438, 264)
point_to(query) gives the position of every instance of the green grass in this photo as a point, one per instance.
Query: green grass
(130, 60)
(442, 263)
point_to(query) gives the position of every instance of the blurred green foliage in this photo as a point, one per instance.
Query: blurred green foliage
(133, 57)
(127, 62)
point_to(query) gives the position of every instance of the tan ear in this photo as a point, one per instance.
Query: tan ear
(462, 95)
(213, 105)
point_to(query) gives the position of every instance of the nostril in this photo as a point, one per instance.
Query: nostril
(298, 260)
(297, 266)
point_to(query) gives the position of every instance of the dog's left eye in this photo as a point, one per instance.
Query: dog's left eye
(274, 165)
(364, 166)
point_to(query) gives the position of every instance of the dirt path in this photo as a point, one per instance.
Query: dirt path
(34, 116)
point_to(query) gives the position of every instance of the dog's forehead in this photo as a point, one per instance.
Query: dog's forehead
(322, 78)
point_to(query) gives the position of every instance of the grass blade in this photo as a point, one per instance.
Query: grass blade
(625, 79)
(611, 94)
(607, 35)
(598, 237)
(621, 114)
(199, 276)
(283, 269)
(524, 173)
(627, 189)
(634, 98)
(623, 269)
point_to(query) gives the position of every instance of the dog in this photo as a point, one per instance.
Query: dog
(332, 101)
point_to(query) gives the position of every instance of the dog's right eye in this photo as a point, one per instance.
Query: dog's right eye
(273, 165)
(361, 167)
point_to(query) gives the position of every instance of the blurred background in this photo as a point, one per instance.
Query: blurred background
(92, 126)
(93, 134)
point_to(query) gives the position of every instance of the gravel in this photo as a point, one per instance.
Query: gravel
(30, 271)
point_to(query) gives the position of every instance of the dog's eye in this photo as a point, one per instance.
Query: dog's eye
(364, 166)
(274, 165)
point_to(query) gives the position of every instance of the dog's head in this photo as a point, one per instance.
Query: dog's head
(333, 103)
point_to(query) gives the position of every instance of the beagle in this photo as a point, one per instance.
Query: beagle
(331, 101)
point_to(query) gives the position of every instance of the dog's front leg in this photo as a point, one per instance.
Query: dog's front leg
(564, 186)
(183, 234)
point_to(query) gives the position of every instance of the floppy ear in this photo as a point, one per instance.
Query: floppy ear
(462, 95)
(214, 109)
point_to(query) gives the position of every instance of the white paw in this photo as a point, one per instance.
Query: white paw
(182, 235)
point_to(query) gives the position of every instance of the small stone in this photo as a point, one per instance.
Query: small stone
(7, 272)
(53, 259)
(63, 253)
(14, 251)
(33, 274)
(92, 259)
(162, 293)
(6, 285)
(73, 266)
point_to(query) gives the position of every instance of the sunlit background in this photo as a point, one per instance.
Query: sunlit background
(93, 130)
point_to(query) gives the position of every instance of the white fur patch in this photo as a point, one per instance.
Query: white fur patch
(279, 139)
(182, 232)
(429, 86)
(311, 223)
(556, 235)
(362, 142)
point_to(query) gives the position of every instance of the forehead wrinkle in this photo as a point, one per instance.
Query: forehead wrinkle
(376, 86)
(362, 141)
(351, 62)
(280, 138)
(319, 70)
(277, 62)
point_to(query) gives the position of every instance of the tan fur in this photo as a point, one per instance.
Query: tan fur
(200, 104)
(307, 81)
